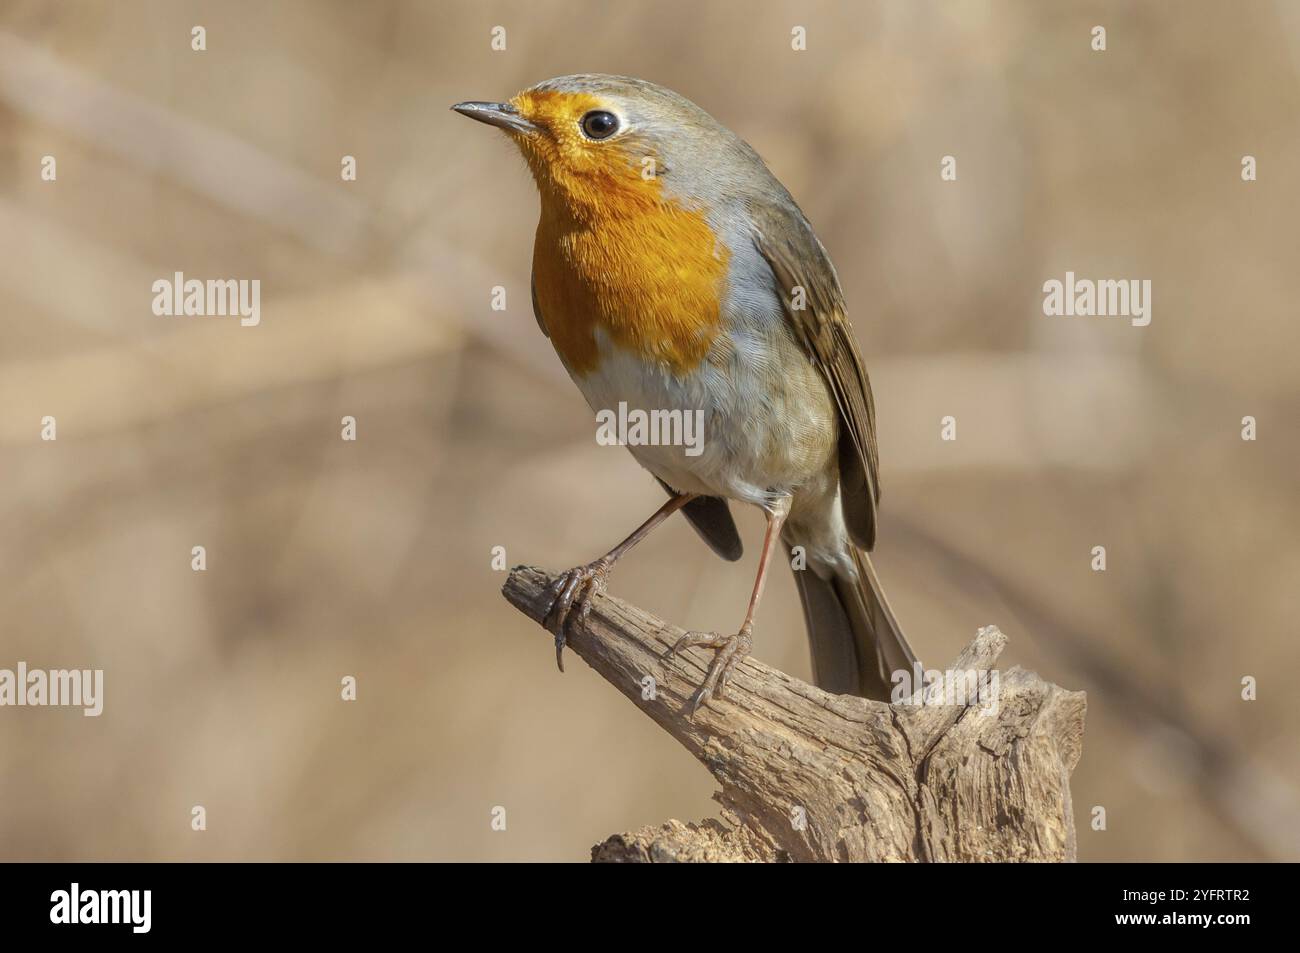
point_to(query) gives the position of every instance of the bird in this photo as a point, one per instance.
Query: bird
(673, 271)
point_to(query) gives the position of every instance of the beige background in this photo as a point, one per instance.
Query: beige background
(372, 559)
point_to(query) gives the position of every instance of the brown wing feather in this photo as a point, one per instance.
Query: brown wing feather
(711, 517)
(798, 260)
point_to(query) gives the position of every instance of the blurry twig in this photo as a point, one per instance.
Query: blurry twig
(232, 172)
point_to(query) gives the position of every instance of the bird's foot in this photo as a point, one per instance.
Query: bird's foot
(573, 590)
(731, 651)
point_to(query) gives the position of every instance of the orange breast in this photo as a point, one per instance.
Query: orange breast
(649, 273)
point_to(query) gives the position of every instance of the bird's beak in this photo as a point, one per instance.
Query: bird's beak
(501, 115)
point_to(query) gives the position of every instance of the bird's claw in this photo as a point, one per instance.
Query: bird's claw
(731, 650)
(570, 590)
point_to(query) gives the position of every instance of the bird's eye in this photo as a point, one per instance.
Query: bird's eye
(599, 124)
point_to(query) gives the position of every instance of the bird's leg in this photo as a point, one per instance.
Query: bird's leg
(576, 587)
(732, 649)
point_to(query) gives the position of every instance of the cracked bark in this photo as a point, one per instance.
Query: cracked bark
(810, 776)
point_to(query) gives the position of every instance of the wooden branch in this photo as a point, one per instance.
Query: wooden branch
(810, 776)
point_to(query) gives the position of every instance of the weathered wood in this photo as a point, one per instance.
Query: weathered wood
(810, 776)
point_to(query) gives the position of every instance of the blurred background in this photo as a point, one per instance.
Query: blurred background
(373, 559)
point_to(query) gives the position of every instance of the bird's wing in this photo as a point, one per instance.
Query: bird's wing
(799, 262)
(710, 515)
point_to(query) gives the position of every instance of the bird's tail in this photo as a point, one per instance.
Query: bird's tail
(856, 642)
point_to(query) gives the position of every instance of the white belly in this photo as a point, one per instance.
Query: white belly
(762, 435)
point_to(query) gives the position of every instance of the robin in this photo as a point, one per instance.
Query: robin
(672, 271)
